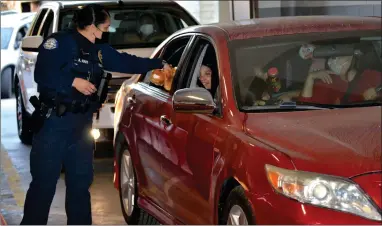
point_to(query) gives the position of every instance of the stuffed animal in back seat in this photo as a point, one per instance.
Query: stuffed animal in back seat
(162, 79)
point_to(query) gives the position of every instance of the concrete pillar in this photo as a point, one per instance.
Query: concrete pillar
(269, 8)
(225, 11)
(209, 11)
(35, 6)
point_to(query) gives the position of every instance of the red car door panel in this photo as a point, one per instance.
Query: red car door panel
(147, 130)
(187, 185)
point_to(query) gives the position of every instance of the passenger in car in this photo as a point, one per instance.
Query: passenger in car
(341, 83)
(260, 90)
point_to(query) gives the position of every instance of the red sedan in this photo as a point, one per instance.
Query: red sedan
(266, 121)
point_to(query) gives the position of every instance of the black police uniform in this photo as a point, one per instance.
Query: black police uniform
(66, 139)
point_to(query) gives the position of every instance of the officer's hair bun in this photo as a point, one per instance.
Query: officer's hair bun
(90, 14)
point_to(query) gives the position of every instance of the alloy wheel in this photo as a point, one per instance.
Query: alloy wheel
(237, 216)
(19, 112)
(127, 183)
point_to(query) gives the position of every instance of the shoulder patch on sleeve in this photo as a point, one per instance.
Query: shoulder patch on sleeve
(51, 43)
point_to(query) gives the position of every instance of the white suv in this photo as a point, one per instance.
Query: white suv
(124, 35)
(14, 27)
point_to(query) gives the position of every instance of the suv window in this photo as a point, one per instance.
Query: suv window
(37, 23)
(20, 35)
(139, 27)
(47, 26)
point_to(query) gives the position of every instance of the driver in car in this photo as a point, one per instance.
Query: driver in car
(147, 29)
(261, 86)
(205, 77)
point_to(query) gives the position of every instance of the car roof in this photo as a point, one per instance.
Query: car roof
(15, 20)
(272, 26)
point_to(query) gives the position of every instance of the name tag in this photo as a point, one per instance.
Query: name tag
(83, 61)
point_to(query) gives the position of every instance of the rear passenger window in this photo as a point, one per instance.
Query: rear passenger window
(37, 24)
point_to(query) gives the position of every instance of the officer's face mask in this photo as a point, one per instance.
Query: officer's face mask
(97, 32)
(104, 39)
(147, 29)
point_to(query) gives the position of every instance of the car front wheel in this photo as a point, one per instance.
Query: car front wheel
(237, 210)
(23, 128)
(128, 192)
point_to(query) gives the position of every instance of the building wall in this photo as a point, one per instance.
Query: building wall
(219, 11)
(17, 5)
(326, 7)
(204, 11)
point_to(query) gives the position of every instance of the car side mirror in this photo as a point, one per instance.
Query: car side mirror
(31, 43)
(16, 45)
(193, 100)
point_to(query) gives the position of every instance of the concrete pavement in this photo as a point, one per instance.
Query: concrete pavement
(15, 179)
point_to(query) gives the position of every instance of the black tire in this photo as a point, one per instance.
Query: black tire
(6, 83)
(138, 216)
(23, 119)
(237, 198)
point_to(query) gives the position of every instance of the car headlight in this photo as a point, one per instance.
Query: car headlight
(322, 190)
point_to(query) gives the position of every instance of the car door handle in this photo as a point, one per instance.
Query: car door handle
(165, 120)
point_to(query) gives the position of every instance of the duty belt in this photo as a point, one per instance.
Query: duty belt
(61, 107)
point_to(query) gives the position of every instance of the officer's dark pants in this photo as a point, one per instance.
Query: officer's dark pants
(67, 141)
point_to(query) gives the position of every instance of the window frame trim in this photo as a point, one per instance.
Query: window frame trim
(34, 23)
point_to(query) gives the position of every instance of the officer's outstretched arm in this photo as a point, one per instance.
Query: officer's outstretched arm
(115, 61)
(53, 58)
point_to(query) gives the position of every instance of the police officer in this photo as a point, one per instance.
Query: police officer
(68, 71)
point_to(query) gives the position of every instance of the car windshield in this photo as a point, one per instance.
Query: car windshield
(335, 70)
(140, 27)
(6, 33)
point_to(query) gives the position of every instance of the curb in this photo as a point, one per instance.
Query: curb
(2, 220)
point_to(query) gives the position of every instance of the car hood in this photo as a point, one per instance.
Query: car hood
(341, 142)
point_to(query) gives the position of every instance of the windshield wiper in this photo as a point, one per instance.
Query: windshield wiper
(348, 105)
(300, 106)
(304, 105)
(286, 106)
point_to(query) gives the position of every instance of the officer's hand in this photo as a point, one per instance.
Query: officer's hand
(167, 68)
(84, 86)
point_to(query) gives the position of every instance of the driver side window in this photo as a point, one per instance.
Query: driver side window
(202, 70)
(19, 36)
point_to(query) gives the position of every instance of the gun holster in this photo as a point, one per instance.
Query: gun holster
(103, 87)
(41, 112)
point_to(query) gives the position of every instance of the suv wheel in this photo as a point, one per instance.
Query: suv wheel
(128, 192)
(6, 83)
(23, 129)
